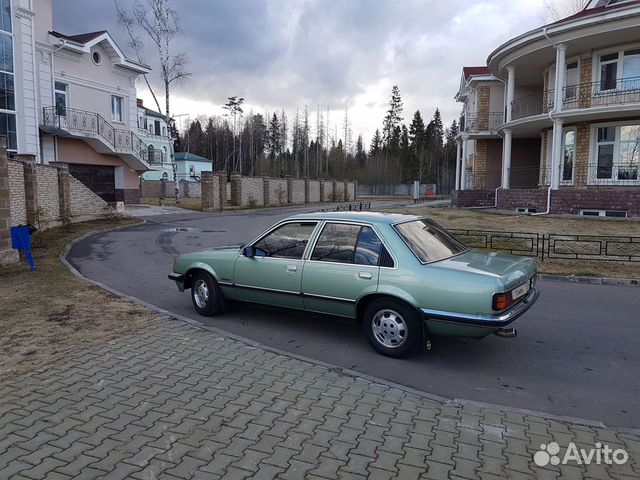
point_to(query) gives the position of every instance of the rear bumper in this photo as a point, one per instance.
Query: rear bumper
(488, 321)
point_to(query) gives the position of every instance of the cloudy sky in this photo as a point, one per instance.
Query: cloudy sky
(333, 53)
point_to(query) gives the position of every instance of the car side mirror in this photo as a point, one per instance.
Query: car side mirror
(249, 251)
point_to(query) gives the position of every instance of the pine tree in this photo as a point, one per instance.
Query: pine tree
(376, 144)
(361, 155)
(275, 146)
(393, 117)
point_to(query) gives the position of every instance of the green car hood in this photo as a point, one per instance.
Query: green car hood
(509, 269)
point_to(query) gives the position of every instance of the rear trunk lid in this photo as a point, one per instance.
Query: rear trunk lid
(511, 270)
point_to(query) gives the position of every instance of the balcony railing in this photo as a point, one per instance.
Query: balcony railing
(602, 93)
(480, 180)
(95, 125)
(531, 105)
(483, 122)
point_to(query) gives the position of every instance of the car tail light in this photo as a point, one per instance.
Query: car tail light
(502, 301)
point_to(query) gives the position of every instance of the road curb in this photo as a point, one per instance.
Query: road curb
(619, 282)
(254, 344)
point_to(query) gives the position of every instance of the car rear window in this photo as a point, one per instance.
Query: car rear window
(429, 241)
(345, 243)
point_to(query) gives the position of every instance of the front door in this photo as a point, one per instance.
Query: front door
(273, 275)
(343, 266)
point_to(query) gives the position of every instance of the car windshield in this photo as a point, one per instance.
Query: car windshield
(428, 240)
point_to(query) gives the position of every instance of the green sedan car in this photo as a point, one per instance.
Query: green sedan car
(403, 277)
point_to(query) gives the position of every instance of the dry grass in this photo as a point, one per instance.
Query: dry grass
(45, 315)
(484, 220)
(188, 203)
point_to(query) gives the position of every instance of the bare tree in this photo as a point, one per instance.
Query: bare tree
(557, 10)
(156, 21)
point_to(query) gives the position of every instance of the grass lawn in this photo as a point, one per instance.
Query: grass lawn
(45, 315)
(456, 218)
(188, 203)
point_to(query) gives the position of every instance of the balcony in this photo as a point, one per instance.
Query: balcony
(531, 105)
(601, 94)
(98, 132)
(482, 122)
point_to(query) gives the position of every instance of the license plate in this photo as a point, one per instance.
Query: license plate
(520, 291)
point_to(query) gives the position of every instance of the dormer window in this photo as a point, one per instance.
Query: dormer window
(97, 58)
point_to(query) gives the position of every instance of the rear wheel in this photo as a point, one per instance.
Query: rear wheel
(206, 294)
(392, 327)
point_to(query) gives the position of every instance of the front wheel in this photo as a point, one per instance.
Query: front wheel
(206, 294)
(392, 327)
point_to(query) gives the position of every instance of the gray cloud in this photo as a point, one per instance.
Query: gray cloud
(288, 53)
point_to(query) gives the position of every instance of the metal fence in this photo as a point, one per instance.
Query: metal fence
(349, 207)
(554, 246)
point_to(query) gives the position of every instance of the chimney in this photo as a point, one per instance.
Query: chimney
(140, 103)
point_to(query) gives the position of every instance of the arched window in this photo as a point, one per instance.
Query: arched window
(164, 154)
(152, 153)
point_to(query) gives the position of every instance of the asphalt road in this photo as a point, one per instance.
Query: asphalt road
(577, 352)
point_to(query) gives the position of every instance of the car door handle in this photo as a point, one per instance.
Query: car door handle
(291, 268)
(365, 275)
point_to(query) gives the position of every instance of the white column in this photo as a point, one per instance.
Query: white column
(458, 162)
(463, 168)
(506, 158)
(561, 73)
(511, 89)
(556, 153)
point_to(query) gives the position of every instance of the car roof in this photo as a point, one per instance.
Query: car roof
(369, 217)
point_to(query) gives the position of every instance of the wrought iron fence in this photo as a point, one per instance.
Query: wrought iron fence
(534, 104)
(481, 179)
(529, 177)
(349, 207)
(605, 174)
(554, 246)
(482, 122)
(602, 93)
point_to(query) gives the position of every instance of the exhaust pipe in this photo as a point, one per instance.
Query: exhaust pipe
(506, 332)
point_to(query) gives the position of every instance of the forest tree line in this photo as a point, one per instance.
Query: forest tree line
(303, 146)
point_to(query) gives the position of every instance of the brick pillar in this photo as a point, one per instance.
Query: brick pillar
(236, 190)
(31, 191)
(222, 188)
(208, 196)
(306, 190)
(266, 191)
(345, 191)
(321, 190)
(289, 189)
(334, 195)
(64, 192)
(7, 254)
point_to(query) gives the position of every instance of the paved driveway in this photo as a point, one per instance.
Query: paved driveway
(576, 354)
(179, 402)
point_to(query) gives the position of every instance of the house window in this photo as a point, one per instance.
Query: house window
(569, 155)
(164, 131)
(7, 79)
(571, 81)
(620, 70)
(608, 71)
(617, 154)
(61, 98)
(117, 109)
(97, 58)
(152, 153)
(156, 128)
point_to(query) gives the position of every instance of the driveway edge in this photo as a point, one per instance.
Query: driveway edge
(329, 366)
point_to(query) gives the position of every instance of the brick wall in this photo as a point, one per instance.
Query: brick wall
(522, 197)
(48, 199)
(574, 200)
(7, 254)
(586, 65)
(328, 191)
(473, 198)
(247, 191)
(211, 191)
(277, 191)
(16, 187)
(314, 191)
(297, 191)
(84, 202)
(483, 106)
(583, 140)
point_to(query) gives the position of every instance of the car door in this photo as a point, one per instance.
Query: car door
(273, 274)
(342, 267)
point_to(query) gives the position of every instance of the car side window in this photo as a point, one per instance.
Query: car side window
(368, 247)
(287, 241)
(336, 243)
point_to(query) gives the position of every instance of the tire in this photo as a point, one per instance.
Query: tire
(206, 294)
(392, 327)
